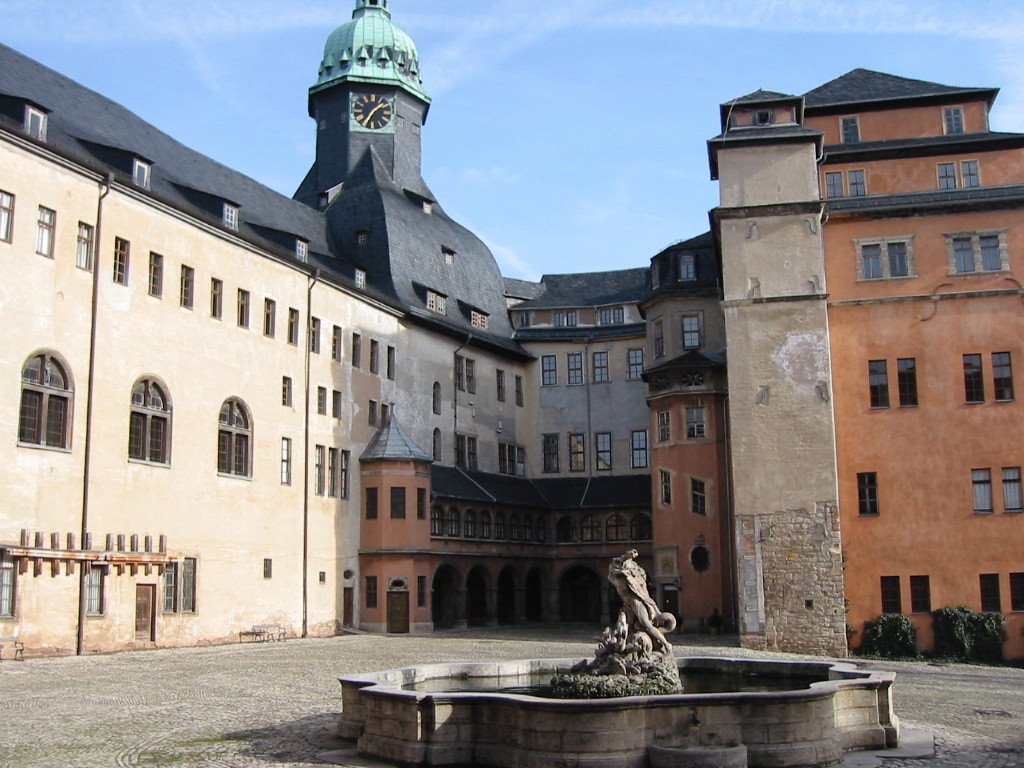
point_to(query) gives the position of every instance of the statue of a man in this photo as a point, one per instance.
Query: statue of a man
(642, 614)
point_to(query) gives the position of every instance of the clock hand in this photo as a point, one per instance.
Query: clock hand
(375, 110)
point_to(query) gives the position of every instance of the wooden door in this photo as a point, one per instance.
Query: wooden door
(398, 612)
(347, 606)
(145, 612)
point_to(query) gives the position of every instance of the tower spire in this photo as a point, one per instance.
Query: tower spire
(371, 6)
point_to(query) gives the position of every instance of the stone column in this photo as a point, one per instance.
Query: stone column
(492, 606)
(460, 608)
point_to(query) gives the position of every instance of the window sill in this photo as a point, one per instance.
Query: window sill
(1011, 400)
(231, 476)
(984, 512)
(144, 463)
(41, 447)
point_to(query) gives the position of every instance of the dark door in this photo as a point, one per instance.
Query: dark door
(347, 605)
(145, 612)
(398, 612)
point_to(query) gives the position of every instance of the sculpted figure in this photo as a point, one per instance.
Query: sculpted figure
(642, 614)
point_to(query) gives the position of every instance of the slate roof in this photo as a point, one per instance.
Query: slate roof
(761, 95)
(705, 262)
(591, 289)
(924, 146)
(392, 443)
(553, 494)
(1011, 195)
(580, 332)
(692, 360)
(866, 86)
(484, 487)
(522, 289)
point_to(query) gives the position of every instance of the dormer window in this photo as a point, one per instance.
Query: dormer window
(428, 207)
(322, 199)
(231, 216)
(479, 319)
(524, 320)
(448, 255)
(611, 316)
(362, 236)
(35, 123)
(301, 250)
(687, 268)
(953, 120)
(850, 130)
(141, 173)
(763, 117)
(437, 302)
(565, 319)
(360, 278)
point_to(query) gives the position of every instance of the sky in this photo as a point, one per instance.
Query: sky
(570, 135)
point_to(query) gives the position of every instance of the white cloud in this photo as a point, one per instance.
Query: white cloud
(510, 262)
(496, 174)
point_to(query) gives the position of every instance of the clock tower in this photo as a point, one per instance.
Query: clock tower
(368, 97)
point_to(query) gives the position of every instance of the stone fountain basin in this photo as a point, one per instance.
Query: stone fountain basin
(832, 708)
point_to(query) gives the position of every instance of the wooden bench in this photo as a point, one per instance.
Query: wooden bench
(9, 643)
(260, 633)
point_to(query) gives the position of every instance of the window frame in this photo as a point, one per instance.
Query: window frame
(286, 461)
(85, 245)
(548, 370)
(974, 379)
(884, 257)
(577, 442)
(47, 418)
(857, 182)
(235, 442)
(1002, 377)
(155, 275)
(867, 495)
(1011, 479)
(989, 589)
(293, 326)
(635, 367)
(7, 203)
(946, 176)
(244, 299)
(953, 121)
(574, 376)
(878, 384)
(891, 594)
(603, 451)
(549, 452)
(216, 298)
(849, 129)
(269, 318)
(698, 496)
(601, 374)
(146, 444)
(8, 587)
(46, 232)
(186, 292)
(920, 594)
(142, 173)
(639, 449)
(697, 429)
(906, 381)
(977, 265)
(981, 486)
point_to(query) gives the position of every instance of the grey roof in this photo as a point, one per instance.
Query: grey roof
(553, 494)
(693, 360)
(484, 488)
(865, 86)
(761, 95)
(1011, 195)
(707, 268)
(924, 145)
(391, 443)
(522, 289)
(591, 289)
(580, 332)
(735, 137)
(600, 492)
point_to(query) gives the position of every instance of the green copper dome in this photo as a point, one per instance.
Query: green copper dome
(371, 49)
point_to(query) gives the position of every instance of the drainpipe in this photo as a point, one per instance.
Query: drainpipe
(730, 540)
(305, 463)
(105, 186)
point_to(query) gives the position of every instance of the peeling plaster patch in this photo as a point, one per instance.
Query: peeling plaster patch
(803, 358)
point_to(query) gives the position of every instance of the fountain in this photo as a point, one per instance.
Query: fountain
(628, 707)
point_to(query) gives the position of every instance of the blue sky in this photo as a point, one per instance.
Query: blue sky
(569, 134)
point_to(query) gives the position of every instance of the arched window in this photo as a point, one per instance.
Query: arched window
(640, 528)
(436, 521)
(149, 426)
(470, 524)
(526, 532)
(615, 528)
(454, 522)
(437, 445)
(46, 399)
(513, 527)
(565, 530)
(499, 525)
(234, 440)
(436, 398)
(539, 529)
(485, 524)
(590, 529)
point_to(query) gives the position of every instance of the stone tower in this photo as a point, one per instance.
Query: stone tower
(781, 426)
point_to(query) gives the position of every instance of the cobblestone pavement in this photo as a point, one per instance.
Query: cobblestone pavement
(276, 704)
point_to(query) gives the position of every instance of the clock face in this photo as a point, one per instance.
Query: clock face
(371, 111)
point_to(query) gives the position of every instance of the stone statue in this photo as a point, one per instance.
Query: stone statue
(633, 657)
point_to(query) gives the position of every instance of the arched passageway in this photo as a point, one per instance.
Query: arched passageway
(476, 596)
(533, 595)
(580, 595)
(444, 597)
(506, 597)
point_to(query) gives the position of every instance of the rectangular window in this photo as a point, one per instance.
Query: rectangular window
(549, 445)
(881, 259)
(6, 586)
(692, 331)
(635, 360)
(94, 591)
(437, 302)
(834, 184)
(479, 319)
(577, 452)
(974, 382)
(471, 454)
(460, 373)
(871, 260)
(1002, 376)
(320, 470)
(141, 173)
(357, 350)
(122, 251)
(664, 426)
(314, 335)
(696, 423)
(371, 591)
(658, 339)
(231, 216)
(336, 344)
(188, 585)
(6, 216)
(906, 375)
(858, 184)
(286, 391)
(878, 383)
(344, 488)
(981, 483)
(698, 497)
(268, 568)
(920, 594)
(1011, 490)
(891, 600)
(548, 370)
(269, 318)
(301, 250)
(45, 233)
(293, 326)
(963, 255)
(499, 383)
(321, 400)
(969, 175)
(374, 356)
(243, 308)
(520, 397)
(603, 450)
(371, 503)
(867, 494)
(35, 123)
(286, 461)
(1017, 591)
(611, 316)
(360, 278)
(84, 247)
(575, 368)
(187, 288)
(947, 175)
(601, 368)
(638, 441)
(216, 298)
(333, 469)
(471, 376)
(990, 602)
(335, 404)
(953, 120)
(398, 503)
(991, 253)
(899, 266)
(687, 267)
(156, 275)
(850, 130)
(421, 503)
(392, 366)
(665, 478)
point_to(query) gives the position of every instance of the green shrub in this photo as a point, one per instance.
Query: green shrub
(890, 636)
(963, 635)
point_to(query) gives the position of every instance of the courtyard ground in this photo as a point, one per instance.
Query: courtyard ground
(276, 704)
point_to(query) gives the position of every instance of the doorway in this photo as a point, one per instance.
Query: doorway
(145, 612)
(347, 607)
(398, 613)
